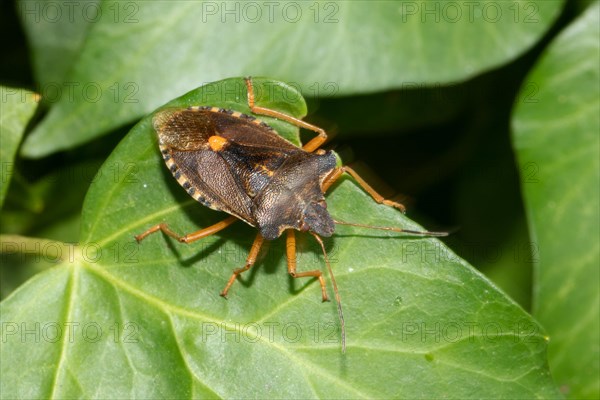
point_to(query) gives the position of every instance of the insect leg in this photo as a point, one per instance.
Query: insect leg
(312, 145)
(334, 176)
(190, 237)
(290, 250)
(258, 241)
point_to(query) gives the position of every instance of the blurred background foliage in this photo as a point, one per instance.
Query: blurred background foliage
(441, 146)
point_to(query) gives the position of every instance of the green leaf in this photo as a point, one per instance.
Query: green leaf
(16, 108)
(56, 31)
(420, 322)
(556, 139)
(49, 208)
(158, 50)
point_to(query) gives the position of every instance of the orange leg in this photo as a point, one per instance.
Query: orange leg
(291, 261)
(336, 173)
(258, 241)
(190, 237)
(312, 145)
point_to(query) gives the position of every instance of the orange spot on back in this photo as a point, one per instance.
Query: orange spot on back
(217, 142)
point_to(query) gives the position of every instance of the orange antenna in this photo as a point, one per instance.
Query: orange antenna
(393, 229)
(335, 290)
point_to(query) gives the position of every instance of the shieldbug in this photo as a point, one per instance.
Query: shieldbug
(236, 163)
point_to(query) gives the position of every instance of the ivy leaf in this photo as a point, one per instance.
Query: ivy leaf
(155, 51)
(421, 323)
(16, 108)
(56, 32)
(556, 138)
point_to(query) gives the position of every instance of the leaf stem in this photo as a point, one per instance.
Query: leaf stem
(17, 244)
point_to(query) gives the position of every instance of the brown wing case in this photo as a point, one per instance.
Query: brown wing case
(227, 179)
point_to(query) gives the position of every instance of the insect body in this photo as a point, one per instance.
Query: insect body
(233, 162)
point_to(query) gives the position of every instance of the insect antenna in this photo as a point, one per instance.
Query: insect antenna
(393, 229)
(335, 290)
